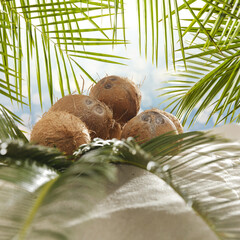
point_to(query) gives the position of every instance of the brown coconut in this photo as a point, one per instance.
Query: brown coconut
(61, 130)
(174, 119)
(119, 94)
(95, 114)
(147, 125)
(115, 131)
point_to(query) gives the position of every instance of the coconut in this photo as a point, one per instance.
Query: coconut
(95, 114)
(61, 130)
(174, 119)
(119, 94)
(115, 131)
(147, 125)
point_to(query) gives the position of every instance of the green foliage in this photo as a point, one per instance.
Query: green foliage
(201, 35)
(42, 198)
(48, 35)
(48, 191)
(209, 77)
(18, 152)
(193, 164)
(41, 190)
(8, 128)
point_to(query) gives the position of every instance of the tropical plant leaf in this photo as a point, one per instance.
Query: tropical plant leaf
(202, 168)
(8, 128)
(16, 152)
(193, 164)
(208, 34)
(32, 31)
(82, 185)
(212, 58)
(38, 193)
(171, 19)
(214, 84)
(17, 186)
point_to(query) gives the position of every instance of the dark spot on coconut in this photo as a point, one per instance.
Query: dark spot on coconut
(88, 101)
(113, 78)
(159, 119)
(146, 118)
(108, 85)
(98, 109)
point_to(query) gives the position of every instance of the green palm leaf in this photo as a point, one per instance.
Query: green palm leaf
(49, 192)
(18, 184)
(38, 191)
(215, 84)
(192, 173)
(211, 55)
(8, 128)
(38, 28)
(19, 153)
(208, 34)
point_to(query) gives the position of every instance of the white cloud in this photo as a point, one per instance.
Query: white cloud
(35, 98)
(38, 116)
(55, 77)
(146, 100)
(25, 89)
(159, 75)
(203, 117)
(26, 131)
(26, 118)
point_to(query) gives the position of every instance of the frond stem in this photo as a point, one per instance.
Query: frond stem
(44, 191)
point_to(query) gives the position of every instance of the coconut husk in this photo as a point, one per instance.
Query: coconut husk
(95, 114)
(115, 131)
(174, 119)
(61, 130)
(119, 94)
(147, 125)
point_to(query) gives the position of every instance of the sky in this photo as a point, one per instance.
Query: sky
(138, 69)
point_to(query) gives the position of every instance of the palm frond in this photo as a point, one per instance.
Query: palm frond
(70, 198)
(202, 168)
(169, 14)
(208, 34)
(18, 153)
(211, 54)
(214, 84)
(46, 190)
(8, 128)
(8, 61)
(19, 184)
(32, 31)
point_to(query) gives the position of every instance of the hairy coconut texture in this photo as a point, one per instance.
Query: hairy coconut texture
(115, 131)
(119, 94)
(61, 130)
(174, 119)
(95, 114)
(147, 125)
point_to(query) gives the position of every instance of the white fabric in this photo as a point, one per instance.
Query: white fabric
(141, 206)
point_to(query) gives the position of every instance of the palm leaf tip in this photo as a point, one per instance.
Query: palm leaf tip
(17, 152)
(8, 127)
